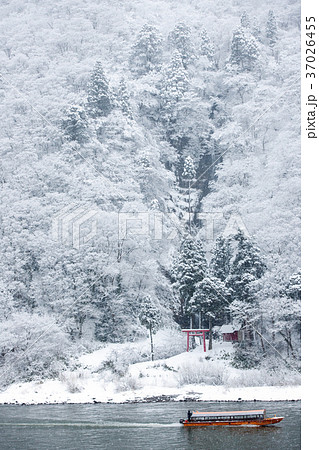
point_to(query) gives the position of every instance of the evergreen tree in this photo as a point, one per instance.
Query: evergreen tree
(99, 101)
(271, 29)
(189, 269)
(150, 317)
(244, 50)
(238, 45)
(180, 39)
(244, 20)
(75, 124)
(207, 47)
(123, 99)
(256, 31)
(175, 80)
(246, 267)
(252, 53)
(174, 85)
(211, 297)
(147, 51)
(222, 254)
(237, 262)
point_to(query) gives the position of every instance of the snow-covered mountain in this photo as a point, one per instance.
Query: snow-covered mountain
(126, 128)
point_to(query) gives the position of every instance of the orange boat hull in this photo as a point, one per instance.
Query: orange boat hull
(259, 423)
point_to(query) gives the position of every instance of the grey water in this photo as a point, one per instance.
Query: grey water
(142, 426)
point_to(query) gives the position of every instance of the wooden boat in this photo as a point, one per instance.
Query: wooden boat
(235, 418)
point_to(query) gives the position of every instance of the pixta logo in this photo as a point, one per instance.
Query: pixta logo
(74, 225)
(159, 226)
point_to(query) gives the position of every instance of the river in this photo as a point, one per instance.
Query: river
(141, 426)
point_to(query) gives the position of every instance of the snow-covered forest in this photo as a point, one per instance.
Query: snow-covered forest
(150, 177)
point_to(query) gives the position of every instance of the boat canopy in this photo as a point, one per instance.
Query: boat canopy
(252, 413)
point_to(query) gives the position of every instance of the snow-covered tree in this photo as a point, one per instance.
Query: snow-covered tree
(293, 289)
(173, 86)
(288, 314)
(238, 47)
(99, 100)
(116, 310)
(31, 346)
(68, 289)
(244, 50)
(211, 298)
(246, 267)
(175, 81)
(189, 268)
(221, 259)
(180, 39)
(183, 113)
(237, 262)
(287, 318)
(75, 124)
(282, 310)
(150, 317)
(207, 47)
(271, 29)
(256, 30)
(123, 99)
(6, 301)
(244, 20)
(147, 51)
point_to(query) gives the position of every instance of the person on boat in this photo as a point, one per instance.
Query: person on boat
(189, 415)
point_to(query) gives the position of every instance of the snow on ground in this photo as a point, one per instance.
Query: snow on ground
(111, 374)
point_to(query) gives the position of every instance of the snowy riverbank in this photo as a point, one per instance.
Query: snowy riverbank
(54, 391)
(109, 375)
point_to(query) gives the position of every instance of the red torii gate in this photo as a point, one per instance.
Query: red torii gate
(196, 332)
